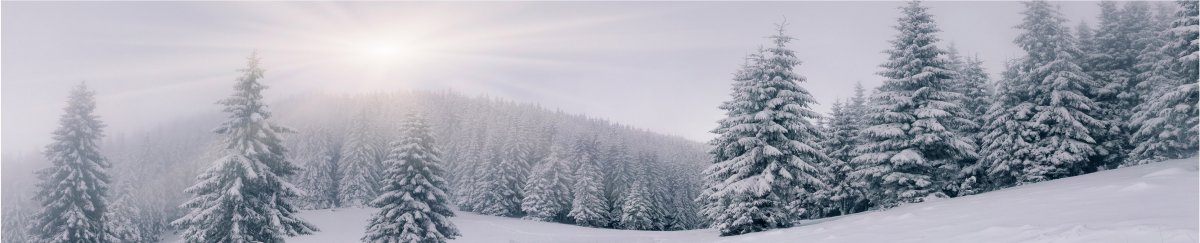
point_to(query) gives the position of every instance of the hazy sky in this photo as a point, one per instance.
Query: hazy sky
(663, 66)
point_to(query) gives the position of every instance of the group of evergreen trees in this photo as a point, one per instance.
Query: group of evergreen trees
(245, 196)
(1124, 94)
(508, 160)
(342, 154)
(579, 183)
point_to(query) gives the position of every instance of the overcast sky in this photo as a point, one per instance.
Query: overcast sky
(663, 66)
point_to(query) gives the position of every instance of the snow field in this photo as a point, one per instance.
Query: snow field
(1149, 203)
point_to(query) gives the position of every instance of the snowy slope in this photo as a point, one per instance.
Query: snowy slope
(1149, 203)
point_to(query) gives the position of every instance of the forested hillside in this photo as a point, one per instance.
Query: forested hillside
(489, 146)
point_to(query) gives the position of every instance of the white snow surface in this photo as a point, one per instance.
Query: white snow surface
(1149, 203)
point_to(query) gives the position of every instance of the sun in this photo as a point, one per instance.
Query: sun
(381, 51)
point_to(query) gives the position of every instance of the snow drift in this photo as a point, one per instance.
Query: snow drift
(1148, 203)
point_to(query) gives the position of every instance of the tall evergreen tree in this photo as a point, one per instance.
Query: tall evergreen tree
(122, 219)
(1168, 127)
(1155, 60)
(955, 61)
(1085, 39)
(617, 167)
(519, 156)
(1060, 113)
(844, 195)
(765, 153)
(548, 192)
(1112, 62)
(1008, 137)
(1147, 26)
(500, 185)
(413, 203)
(840, 143)
(972, 82)
(243, 197)
(1105, 55)
(975, 85)
(976, 88)
(323, 172)
(654, 178)
(360, 185)
(637, 207)
(16, 224)
(914, 145)
(856, 108)
(681, 213)
(468, 192)
(588, 207)
(74, 189)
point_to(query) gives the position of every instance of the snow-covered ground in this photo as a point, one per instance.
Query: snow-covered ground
(1149, 203)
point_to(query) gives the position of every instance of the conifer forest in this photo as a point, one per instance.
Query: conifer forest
(601, 122)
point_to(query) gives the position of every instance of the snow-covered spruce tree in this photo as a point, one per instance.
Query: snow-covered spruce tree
(914, 145)
(548, 192)
(243, 197)
(617, 167)
(856, 108)
(481, 189)
(637, 207)
(466, 190)
(1154, 62)
(121, 219)
(519, 155)
(1168, 127)
(765, 154)
(1117, 44)
(74, 189)
(322, 170)
(840, 143)
(500, 185)
(1147, 28)
(844, 196)
(972, 83)
(1085, 40)
(750, 69)
(16, 225)
(659, 190)
(682, 212)
(360, 183)
(588, 207)
(954, 61)
(975, 86)
(1061, 111)
(413, 203)
(330, 176)
(1008, 137)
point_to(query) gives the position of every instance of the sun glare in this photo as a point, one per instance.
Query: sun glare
(381, 60)
(381, 51)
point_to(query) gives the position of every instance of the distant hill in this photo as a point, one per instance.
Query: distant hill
(155, 165)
